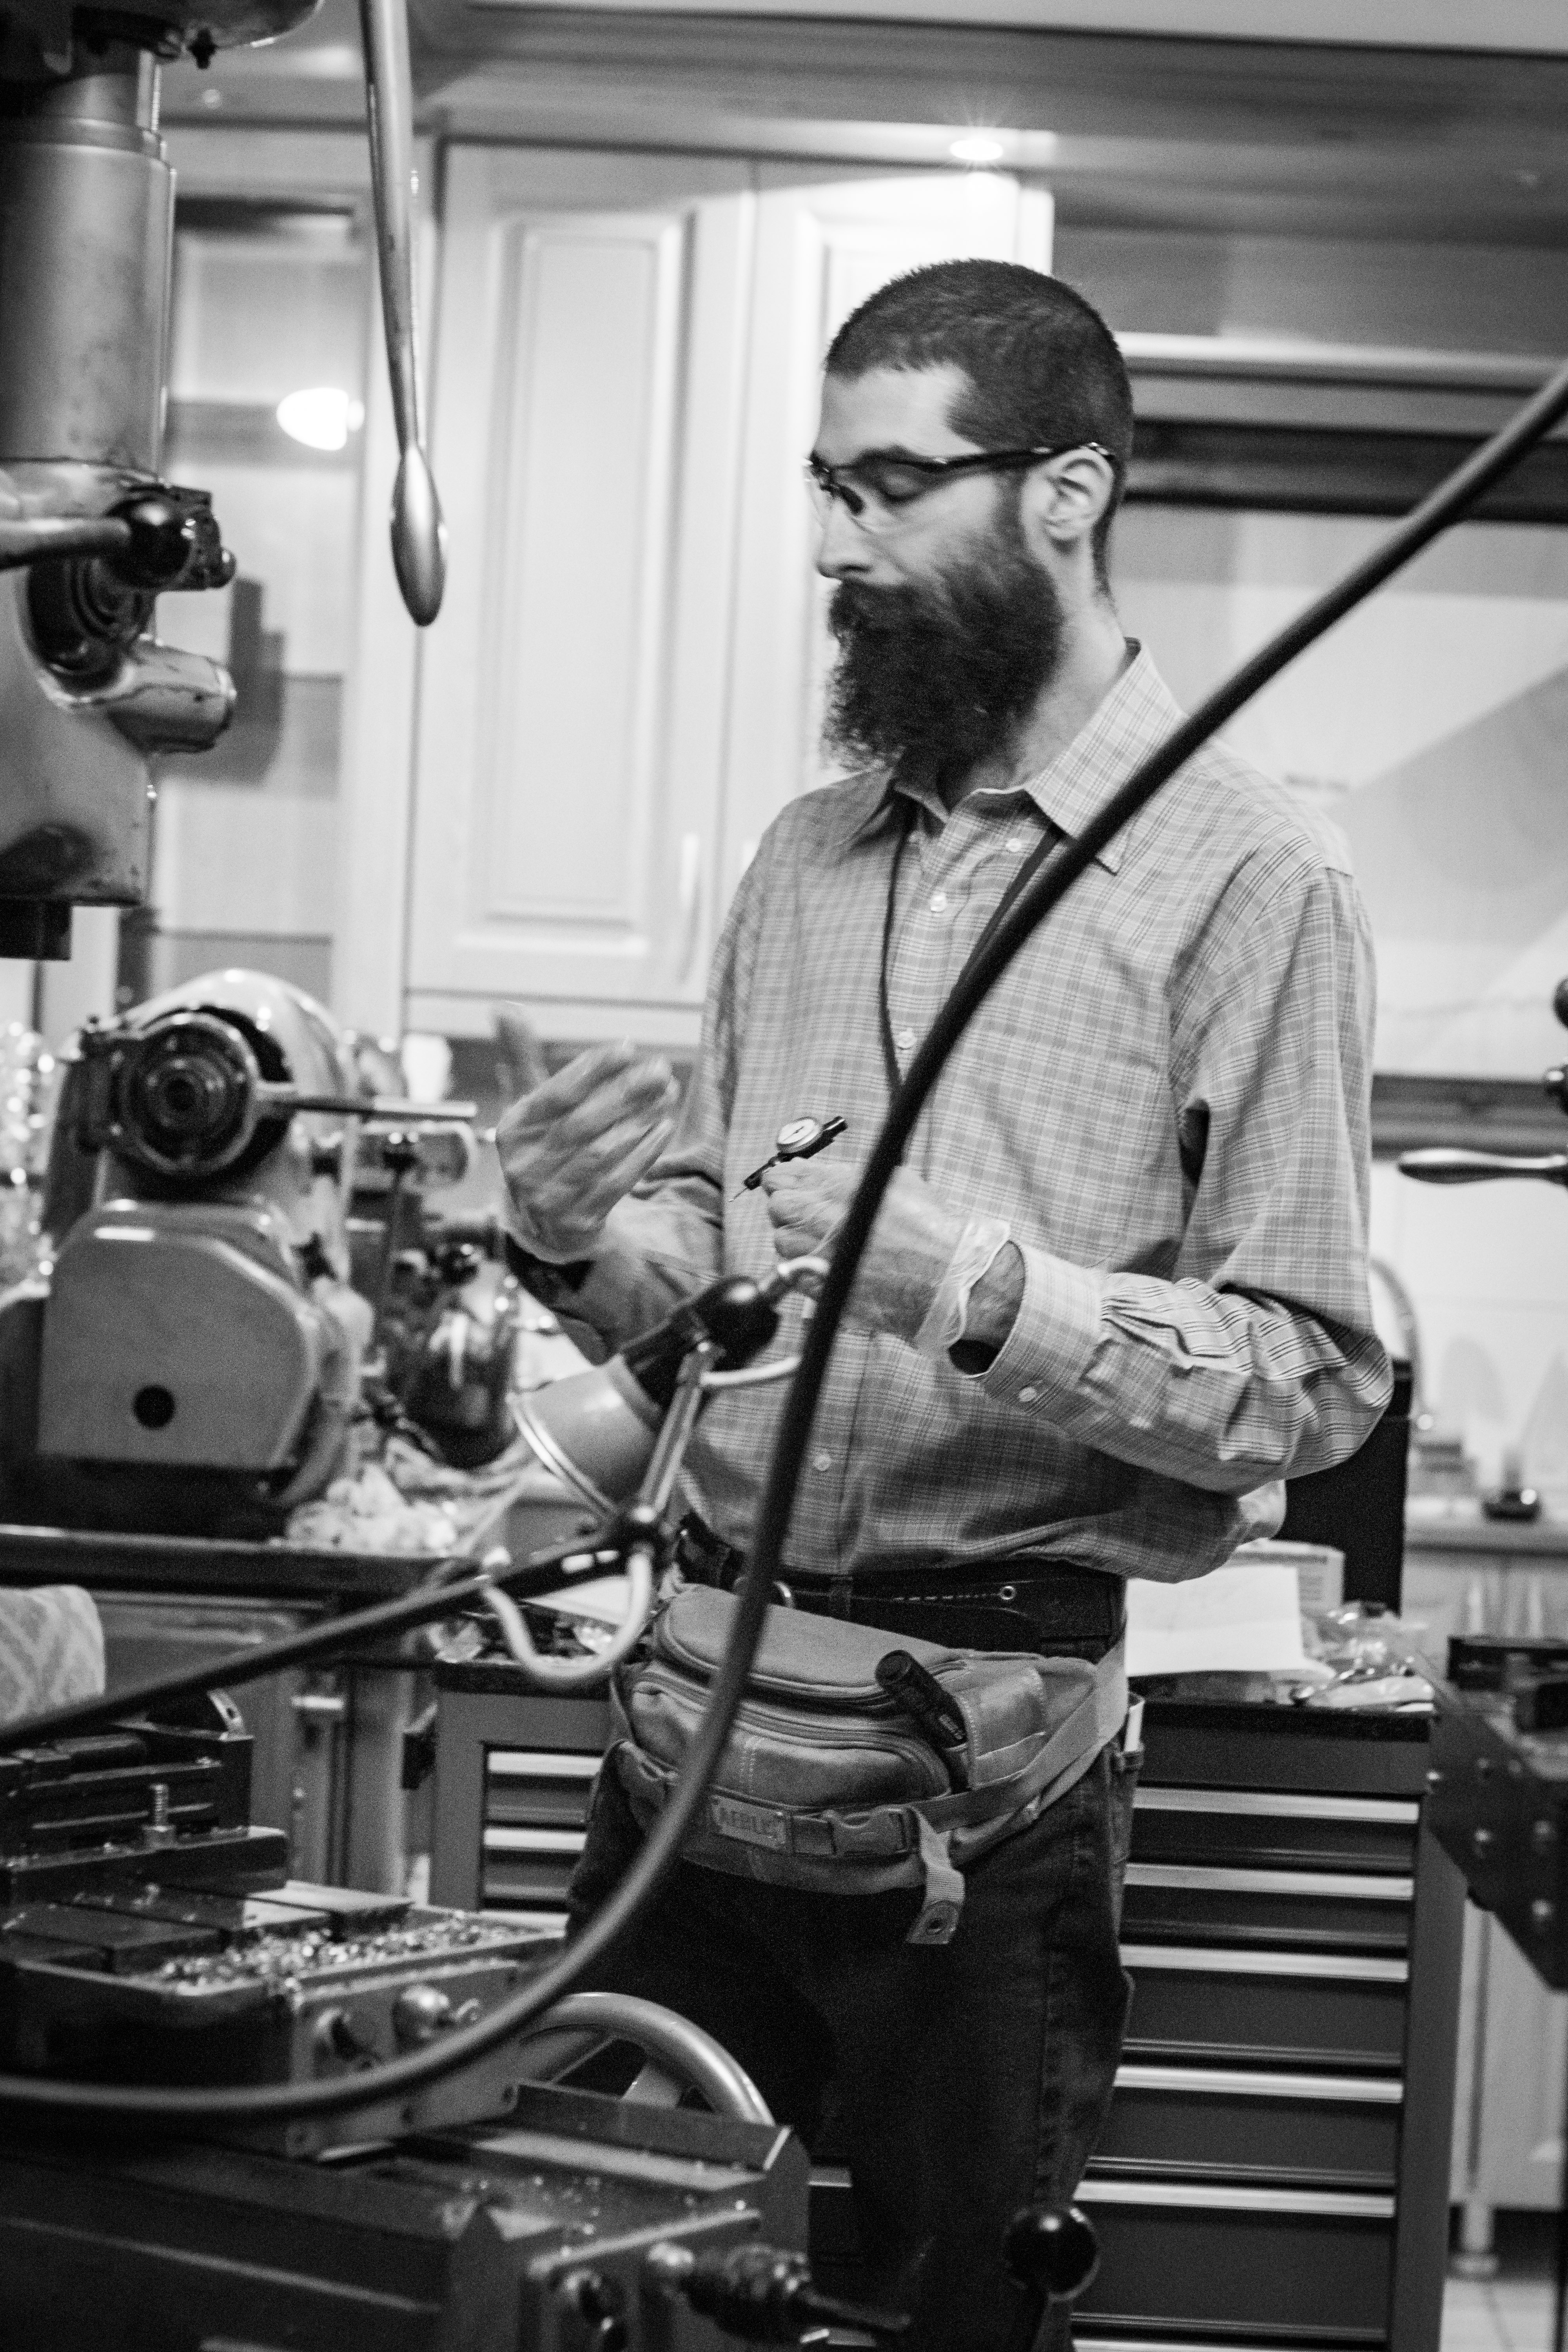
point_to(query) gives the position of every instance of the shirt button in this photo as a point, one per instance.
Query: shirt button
(903, 1039)
(1014, 841)
(821, 1459)
(938, 902)
(1027, 1396)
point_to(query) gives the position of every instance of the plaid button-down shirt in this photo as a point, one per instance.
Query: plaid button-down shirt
(1166, 1100)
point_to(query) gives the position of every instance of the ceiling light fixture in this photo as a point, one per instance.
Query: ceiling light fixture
(321, 416)
(977, 147)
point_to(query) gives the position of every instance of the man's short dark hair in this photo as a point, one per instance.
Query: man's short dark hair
(1044, 368)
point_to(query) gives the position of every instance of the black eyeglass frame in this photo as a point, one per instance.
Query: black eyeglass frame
(832, 481)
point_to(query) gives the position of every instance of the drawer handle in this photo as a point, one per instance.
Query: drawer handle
(534, 1841)
(1275, 1805)
(1325, 1968)
(1337, 1885)
(1197, 2196)
(1240, 2083)
(509, 1764)
(1089, 2340)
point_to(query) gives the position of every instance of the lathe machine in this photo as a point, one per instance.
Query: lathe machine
(230, 1221)
(149, 1933)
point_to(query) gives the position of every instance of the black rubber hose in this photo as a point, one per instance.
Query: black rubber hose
(284, 2101)
(427, 1604)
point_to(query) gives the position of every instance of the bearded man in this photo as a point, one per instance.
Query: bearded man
(1116, 1293)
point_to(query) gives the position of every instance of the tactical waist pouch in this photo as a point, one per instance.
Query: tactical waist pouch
(827, 1782)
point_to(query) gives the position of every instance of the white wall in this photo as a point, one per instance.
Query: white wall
(1487, 1269)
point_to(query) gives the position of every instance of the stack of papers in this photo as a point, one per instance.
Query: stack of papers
(1245, 1618)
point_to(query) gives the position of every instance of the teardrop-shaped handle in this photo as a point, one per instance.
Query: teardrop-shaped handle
(418, 531)
(418, 536)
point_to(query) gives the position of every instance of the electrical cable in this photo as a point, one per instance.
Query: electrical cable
(656, 1857)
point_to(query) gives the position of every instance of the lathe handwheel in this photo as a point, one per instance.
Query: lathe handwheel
(677, 2056)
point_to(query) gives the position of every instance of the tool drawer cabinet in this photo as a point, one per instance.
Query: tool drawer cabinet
(513, 1771)
(1274, 2171)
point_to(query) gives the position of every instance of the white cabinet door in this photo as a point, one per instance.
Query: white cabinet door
(822, 247)
(625, 684)
(589, 364)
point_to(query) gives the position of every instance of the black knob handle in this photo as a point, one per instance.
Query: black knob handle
(601, 2301)
(1052, 2254)
(161, 540)
(1054, 2249)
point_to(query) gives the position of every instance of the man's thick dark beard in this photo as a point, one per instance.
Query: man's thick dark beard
(931, 681)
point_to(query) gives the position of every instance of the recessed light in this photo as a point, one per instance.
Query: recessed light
(977, 147)
(322, 417)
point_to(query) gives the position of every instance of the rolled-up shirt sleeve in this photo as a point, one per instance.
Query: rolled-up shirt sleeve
(1254, 1356)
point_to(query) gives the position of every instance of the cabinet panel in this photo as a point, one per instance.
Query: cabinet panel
(1251, 2264)
(626, 684)
(1266, 2008)
(1274, 1829)
(1184, 1903)
(1245, 2125)
(586, 406)
(822, 247)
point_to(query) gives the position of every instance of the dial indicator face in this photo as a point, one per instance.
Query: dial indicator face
(797, 1135)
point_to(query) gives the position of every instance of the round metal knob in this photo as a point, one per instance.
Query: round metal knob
(419, 2013)
(339, 2036)
(602, 2302)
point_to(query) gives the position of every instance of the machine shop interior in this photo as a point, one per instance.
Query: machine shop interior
(413, 634)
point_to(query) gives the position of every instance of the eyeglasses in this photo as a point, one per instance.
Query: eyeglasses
(877, 488)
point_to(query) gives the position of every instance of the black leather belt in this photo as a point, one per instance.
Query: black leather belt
(1027, 1603)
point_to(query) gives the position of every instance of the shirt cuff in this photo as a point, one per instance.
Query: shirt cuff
(978, 1247)
(1041, 1365)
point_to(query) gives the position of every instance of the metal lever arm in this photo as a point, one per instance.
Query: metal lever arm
(32, 538)
(764, 2295)
(1455, 1167)
(284, 1099)
(418, 531)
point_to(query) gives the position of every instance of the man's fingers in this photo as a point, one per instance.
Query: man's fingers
(544, 1124)
(576, 1080)
(613, 1168)
(591, 1181)
(604, 1073)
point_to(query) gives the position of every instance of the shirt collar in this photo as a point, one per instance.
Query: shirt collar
(1135, 714)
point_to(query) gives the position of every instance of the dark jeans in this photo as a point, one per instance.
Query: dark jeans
(959, 2081)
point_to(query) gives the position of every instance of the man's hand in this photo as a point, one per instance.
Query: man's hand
(913, 1240)
(573, 1147)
